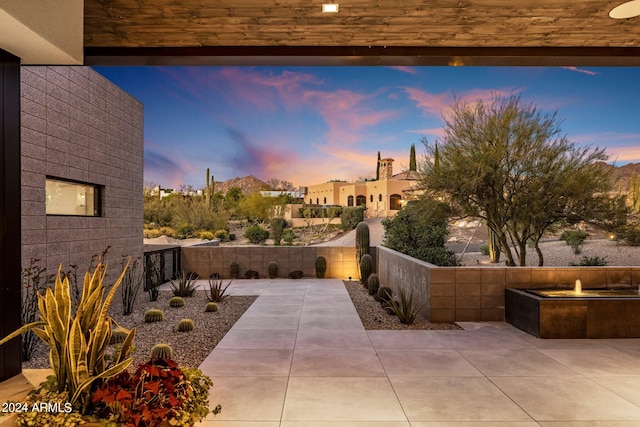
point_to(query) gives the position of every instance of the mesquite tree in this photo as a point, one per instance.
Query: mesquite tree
(504, 161)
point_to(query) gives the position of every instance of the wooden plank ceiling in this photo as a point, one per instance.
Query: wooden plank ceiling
(117, 24)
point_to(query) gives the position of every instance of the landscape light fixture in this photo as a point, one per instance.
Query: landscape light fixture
(330, 7)
(629, 9)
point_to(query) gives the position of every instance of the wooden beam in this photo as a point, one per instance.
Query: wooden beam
(366, 55)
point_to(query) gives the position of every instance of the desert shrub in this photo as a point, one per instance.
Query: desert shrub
(185, 231)
(630, 234)
(591, 261)
(34, 281)
(232, 236)
(131, 282)
(251, 274)
(404, 307)
(206, 235)
(296, 274)
(151, 233)
(223, 235)
(575, 239)
(484, 249)
(167, 231)
(256, 234)
(419, 230)
(288, 236)
(277, 227)
(351, 216)
(216, 293)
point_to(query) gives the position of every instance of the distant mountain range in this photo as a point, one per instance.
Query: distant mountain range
(248, 184)
(622, 174)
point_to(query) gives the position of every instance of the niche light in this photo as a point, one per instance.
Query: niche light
(330, 7)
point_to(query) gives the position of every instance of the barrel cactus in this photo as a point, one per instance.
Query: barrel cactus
(153, 315)
(176, 302)
(321, 267)
(211, 307)
(384, 295)
(374, 284)
(273, 270)
(161, 351)
(185, 325)
(234, 270)
(366, 268)
(362, 240)
(118, 335)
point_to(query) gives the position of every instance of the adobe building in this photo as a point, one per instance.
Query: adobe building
(382, 198)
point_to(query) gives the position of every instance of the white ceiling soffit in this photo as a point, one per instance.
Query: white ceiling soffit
(44, 31)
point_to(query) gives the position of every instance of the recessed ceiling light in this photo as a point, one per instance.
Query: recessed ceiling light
(626, 10)
(330, 8)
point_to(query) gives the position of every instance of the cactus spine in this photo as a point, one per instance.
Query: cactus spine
(234, 269)
(273, 270)
(153, 315)
(366, 268)
(374, 284)
(185, 325)
(321, 267)
(161, 351)
(362, 240)
(176, 302)
(211, 307)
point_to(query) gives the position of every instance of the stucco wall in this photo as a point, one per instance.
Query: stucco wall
(77, 125)
(477, 293)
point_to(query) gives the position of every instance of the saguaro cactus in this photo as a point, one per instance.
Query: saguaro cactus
(366, 268)
(362, 240)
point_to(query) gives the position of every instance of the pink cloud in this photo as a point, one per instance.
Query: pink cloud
(581, 70)
(405, 69)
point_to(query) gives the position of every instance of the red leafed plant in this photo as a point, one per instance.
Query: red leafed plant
(155, 393)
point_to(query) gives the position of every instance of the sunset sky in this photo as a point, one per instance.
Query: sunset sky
(309, 125)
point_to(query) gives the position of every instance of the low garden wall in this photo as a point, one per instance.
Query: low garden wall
(341, 261)
(477, 293)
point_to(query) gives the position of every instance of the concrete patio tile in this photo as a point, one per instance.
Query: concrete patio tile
(593, 362)
(267, 322)
(328, 299)
(220, 423)
(328, 310)
(336, 363)
(515, 362)
(566, 399)
(341, 399)
(474, 424)
(314, 321)
(282, 309)
(248, 362)
(462, 340)
(247, 399)
(283, 291)
(624, 386)
(428, 363)
(455, 399)
(607, 423)
(408, 340)
(259, 339)
(278, 299)
(332, 338)
(345, 424)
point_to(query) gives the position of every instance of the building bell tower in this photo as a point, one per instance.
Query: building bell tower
(386, 168)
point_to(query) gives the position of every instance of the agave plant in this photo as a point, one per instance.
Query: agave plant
(216, 292)
(78, 341)
(404, 308)
(186, 285)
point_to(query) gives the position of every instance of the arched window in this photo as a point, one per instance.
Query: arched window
(324, 201)
(361, 200)
(350, 201)
(310, 201)
(395, 202)
(379, 197)
(371, 198)
(317, 201)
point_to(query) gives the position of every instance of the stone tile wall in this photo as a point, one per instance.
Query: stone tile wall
(477, 293)
(78, 125)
